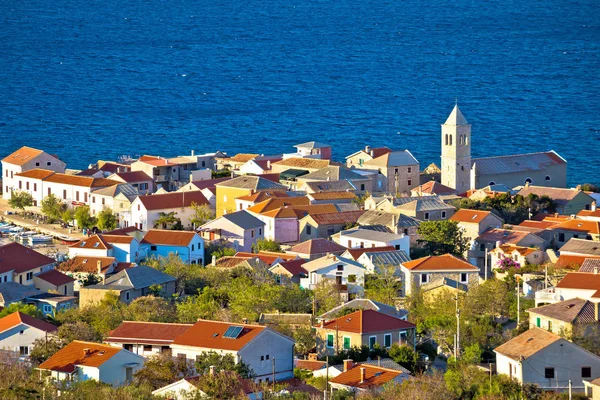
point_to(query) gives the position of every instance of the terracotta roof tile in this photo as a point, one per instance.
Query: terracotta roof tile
(573, 261)
(86, 264)
(580, 280)
(296, 162)
(294, 267)
(133, 176)
(22, 156)
(230, 261)
(72, 355)
(282, 212)
(118, 239)
(266, 257)
(527, 344)
(123, 265)
(123, 231)
(18, 258)
(537, 224)
(168, 237)
(12, 320)
(310, 365)
(433, 187)
(332, 195)
(314, 209)
(209, 335)
(343, 217)
(55, 277)
(589, 213)
(470, 216)
(579, 225)
(93, 242)
(277, 202)
(559, 195)
(259, 197)
(374, 376)
(147, 332)
(366, 321)
(503, 236)
(84, 181)
(241, 158)
(36, 173)
(317, 246)
(173, 200)
(446, 262)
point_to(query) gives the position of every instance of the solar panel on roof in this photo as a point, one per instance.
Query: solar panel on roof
(233, 332)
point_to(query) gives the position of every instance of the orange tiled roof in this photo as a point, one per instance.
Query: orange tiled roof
(119, 239)
(579, 225)
(342, 217)
(314, 209)
(146, 332)
(581, 280)
(589, 213)
(72, 355)
(446, 262)
(296, 162)
(93, 242)
(36, 173)
(310, 365)
(261, 196)
(374, 376)
(209, 335)
(173, 200)
(433, 187)
(537, 224)
(527, 344)
(159, 162)
(355, 253)
(242, 157)
(267, 257)
(366, 321)
(508, 248)
(572, 261)
(230, 261)
(283, 212)
(17, 318)
(276, 202)
(470, 216)
(332, 195)
(318, 246)
(22, 156)
(168, 237)
(86, 264)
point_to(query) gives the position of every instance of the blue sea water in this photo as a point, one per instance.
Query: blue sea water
(96, 79)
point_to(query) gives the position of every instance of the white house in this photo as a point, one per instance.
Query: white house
(189, 246)
(118, 198)
(26, 159)
(240, 228)
(582, 285)
(364, 238)
(82, 361)
(342, 271)
(146, 210)
(18, 331)
(145, 338)
(548, 360)
(364, 378)
(123, 248)
(268, 353)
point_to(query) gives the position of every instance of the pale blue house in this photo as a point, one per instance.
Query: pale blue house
(189, 246)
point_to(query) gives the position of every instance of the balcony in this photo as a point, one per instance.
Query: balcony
(161, 178)
(549, 296)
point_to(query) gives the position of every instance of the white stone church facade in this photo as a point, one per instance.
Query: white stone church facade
(463, 173)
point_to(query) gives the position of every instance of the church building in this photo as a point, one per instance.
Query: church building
(461, 172)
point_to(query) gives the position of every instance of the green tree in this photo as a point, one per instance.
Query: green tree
(167, 220)
(384, 285)
(404, 355)
(160, 370)
(221, 362)
(152, 309)
(266, 245)
(53, 207)
(78, 330)
(327, 296)
(443, 237)
(84, 218)
(28, 309)
(205, 305)
(45, 348)
(221, 385)
(223, 251)
(20, 200)
(68, 216)
(186, 275)
(202, 214)
(107, 220)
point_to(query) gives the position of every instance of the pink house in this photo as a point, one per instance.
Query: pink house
(281, 224)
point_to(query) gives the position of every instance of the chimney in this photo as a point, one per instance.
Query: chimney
(214, 261)
(348, 364)
(166, 162)
(268, 164)
(498, 243)
(245, 321)
(192, 153)
(211, 370)
(527, 184)
(593, 207)
(595, 270)
(578, 187)
(99, 267)
(312, 356)
(368, 149)
(363, 373)
(379, 361)
(322, 323)
(86, 352)
(372, 153)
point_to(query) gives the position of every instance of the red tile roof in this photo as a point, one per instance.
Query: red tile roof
(209, 335)
(294, 267)
(332, 195)
(173, 200)
(310, 365)
(168, 237)
(147, 332)
(36, 173)
(55, 277)
(446, 262)
(83, 181)
(18, 258)
(17, 318)
(282, 212)
(581, 280)
(93, 242)
(579, 225)
(123, 231)
(317, 246)
(572, 261)
(537, 224)
(433, 187)
(86, 264)
(274, 203)
(22, 156)
(133, 176)
(470, 216)
(342, 217)
(303, 211)
(259, 197)
(266, 257)
(72, 355)
(118, 239)
(366, 321)
(123, 265)
(374, 376)
(589, 213)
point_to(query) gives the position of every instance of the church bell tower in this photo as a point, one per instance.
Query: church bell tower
(456, 152)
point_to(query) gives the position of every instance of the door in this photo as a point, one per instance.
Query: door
(338, 280)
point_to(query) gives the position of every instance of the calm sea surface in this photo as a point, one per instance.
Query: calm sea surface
(96, 79)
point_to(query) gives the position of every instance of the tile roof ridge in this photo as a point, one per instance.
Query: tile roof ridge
(230, 323)
(157, 323)
(362, 364)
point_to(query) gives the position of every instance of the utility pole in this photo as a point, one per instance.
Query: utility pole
(457, 347)
(546, 277)
(490, 366)
(518, 304)
(273, 363)
(570, 389)
(486, 262)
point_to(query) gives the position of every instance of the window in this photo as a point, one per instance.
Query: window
(410, 182)
(27, 185)
(340, 267)
(330, 230)
(47, 308)
(547, 178)
(424, 278)
(267, 357)
(426, 216)
(204, 163)
(147, 348)
(561, 237)
(259, 231)
(330, 340)
(443, 214)
(549, 373)
(446, 140)
(48, 163)
(406, 231)
(127, 296)
(192, 247)
(362, 245)
(262, 358)
(397, 247)
(409, 170)
(94, 199)
(492, 183)
(362, 187)
(450, 140)
(464, 277)
(387, 340)
(20, 185)
(586, 372)
(346, 343)
(103, 200)
(23, 350)
(252, 233)
(76, 196)
(481, 246)
(549, 325)
(403, 336)
(153, 248)
(396, 171)
(29, 276)
(85, 198)
(528, 181)
(372, 342)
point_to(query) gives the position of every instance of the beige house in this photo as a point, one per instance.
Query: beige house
(307, 164)
(324, 225)
(592, 388)
(358, 159)
(560, 318)
(475, 222)
(563, 231)
(362, 328)
(398, 172)
(493, 238)
(522, 255)
(53, 281)
(567, 201)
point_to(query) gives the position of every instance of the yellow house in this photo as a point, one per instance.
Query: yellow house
(244, 185)
(560, 318)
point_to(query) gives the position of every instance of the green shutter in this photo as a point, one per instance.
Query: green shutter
(330, 340)
(538, 322)
(346, 343)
